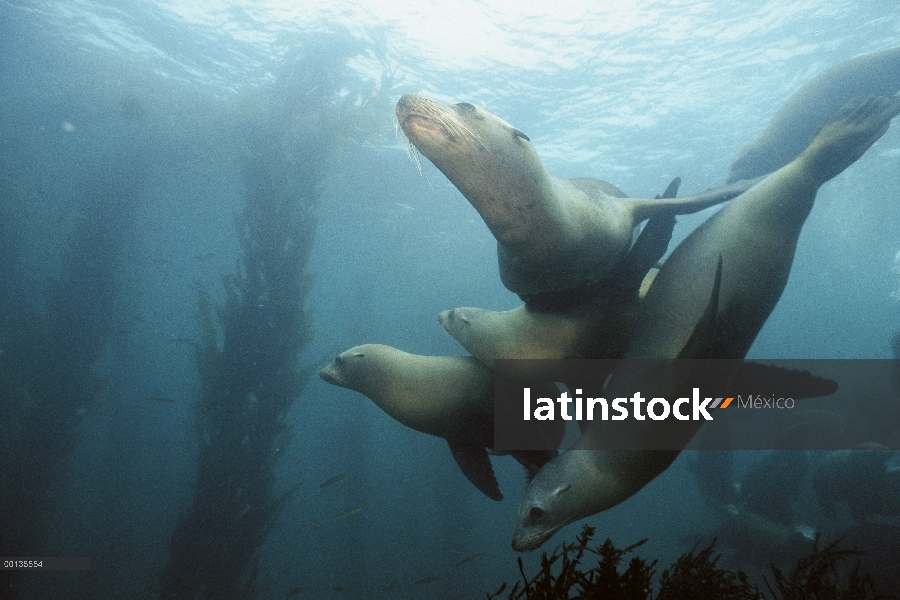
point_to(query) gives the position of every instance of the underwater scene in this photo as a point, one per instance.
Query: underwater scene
(257, 260)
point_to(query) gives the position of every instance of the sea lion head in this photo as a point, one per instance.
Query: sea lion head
(480, 153)
(554, 499)
(455, 319)
(352, 369)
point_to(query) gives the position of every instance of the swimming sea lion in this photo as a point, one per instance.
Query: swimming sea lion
(446, 396)
(813, 106)
(572, 485)
(861, 480)
(755, 236)
(591, 331)
(592, 323)
(428, 394)
(552, 233)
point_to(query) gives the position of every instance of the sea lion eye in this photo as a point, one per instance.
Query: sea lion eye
(518, 133)
(465, 105)
(359, 355)
(562, 489)
(535, 514)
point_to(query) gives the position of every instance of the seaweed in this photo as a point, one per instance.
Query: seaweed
(819, 576)
(248, 355)
(602, 581)
(696, 575)
(822, 575)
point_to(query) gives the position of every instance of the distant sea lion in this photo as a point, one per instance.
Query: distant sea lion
(755, 236)
(552, 233)
(861, 480)
(812, 107)
(445, 396)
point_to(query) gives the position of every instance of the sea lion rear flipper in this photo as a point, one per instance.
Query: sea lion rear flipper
(704, 342)
(647, 251)
(790, 383)
(475, 464)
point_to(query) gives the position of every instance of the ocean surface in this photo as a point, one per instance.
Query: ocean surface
(125, 132)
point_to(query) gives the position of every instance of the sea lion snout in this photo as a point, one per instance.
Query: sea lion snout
(453, 315)
(330, 374)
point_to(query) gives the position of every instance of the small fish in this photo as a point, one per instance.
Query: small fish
(469, 559)
(341, 588)
(139, 319)
(430, 579)
(349, 512)
(204, 256)
(316, 525)
(294, 591)
(390, 586)
(331, 482)
(160, 400)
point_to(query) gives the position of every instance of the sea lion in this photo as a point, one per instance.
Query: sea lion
(592, 323)
(755, 235)
(813, 106)
(572, 485)
(591, 331)
(859, 479)
(552, 233)
(446, 396)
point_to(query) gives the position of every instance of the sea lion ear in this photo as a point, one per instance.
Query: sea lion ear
(521, 134)
(359, 354)
(562, 489)
(465, 105)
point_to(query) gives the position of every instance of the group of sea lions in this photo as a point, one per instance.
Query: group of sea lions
(573, 251)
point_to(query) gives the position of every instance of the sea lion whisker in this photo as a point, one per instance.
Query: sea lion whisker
(474, 137)
(413, 153)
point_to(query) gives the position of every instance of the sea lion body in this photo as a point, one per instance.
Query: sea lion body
(425, 393)
(446, 396)
(812, 107)
(552, 233)
(754, 237)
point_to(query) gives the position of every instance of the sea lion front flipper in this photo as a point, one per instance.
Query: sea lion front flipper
(475, 464)
(650, 246)
(671, 189)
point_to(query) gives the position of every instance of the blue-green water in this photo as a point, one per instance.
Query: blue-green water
(635, 93)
